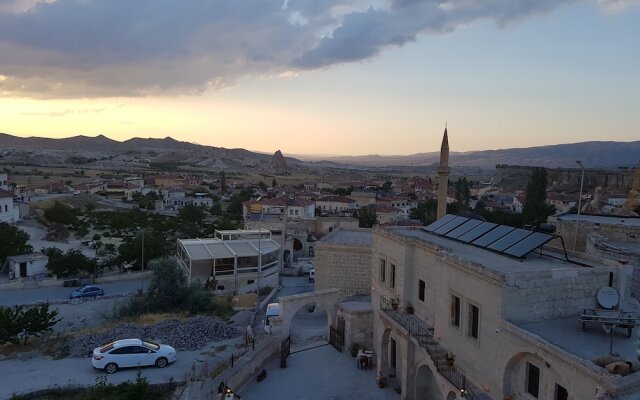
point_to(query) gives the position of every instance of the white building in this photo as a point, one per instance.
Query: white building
(336, 204)
(26, 265)
(9, 212)
(234, 260)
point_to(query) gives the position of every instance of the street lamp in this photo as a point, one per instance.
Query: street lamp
(142, 263)
(575, 237)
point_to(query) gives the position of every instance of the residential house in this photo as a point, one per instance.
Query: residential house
(9, 212)
(335, 204)
(26, 265)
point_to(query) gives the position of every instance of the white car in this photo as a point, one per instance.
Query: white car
(132, 353)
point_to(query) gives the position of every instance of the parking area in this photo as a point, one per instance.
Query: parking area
(317, 374)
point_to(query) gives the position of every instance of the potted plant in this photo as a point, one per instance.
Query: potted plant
(450, 358)
(382, 381)
(353, 349)
(395, 303)
(409, 308)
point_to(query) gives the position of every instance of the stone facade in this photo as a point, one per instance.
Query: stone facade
(358, 322)
(345, 266)
(613, 232)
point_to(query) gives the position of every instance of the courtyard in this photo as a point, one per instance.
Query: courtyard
(320, 373)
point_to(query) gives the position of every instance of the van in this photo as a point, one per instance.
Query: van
(273, 311)
(312, 275)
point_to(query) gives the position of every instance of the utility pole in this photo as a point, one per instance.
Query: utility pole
(575, 237)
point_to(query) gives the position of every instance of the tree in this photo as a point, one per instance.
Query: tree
(274, 182)
(70, 263)
(426, 212)
(60, 213)
(168, 284)
(19, 323)
(13, 241)
(463, 193)
(154, 247)
(262, 185)
(367, 217)
(536, 210)
(191, 213)
(37, 320)
(9, 327)
(386, 186)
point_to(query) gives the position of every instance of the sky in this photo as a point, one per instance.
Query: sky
(340, 77)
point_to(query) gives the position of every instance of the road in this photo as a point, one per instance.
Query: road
(10, 297)
(25, 376)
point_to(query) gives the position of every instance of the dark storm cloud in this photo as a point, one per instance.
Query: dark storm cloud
(96, 48)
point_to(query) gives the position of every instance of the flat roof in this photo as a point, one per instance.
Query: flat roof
(601, 219)
(347, 237)
(566, 333)
(208, 249)
(490, 260)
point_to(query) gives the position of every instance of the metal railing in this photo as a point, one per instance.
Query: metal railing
(416, 327)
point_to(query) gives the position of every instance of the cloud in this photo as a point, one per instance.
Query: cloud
(104, 48)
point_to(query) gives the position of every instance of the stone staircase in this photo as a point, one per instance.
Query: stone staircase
(425, 338)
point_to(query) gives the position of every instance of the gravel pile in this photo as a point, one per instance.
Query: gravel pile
(191, 334)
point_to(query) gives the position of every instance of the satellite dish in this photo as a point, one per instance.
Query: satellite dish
(608, 297)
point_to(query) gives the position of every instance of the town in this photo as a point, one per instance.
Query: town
(380, 268)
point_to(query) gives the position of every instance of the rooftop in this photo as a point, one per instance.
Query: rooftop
(601, 219)
(208, 249)
(498, 263)
(348, 237)
(567, 334)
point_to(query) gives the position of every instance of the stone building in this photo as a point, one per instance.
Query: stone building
(453, 317)
(616, 228)
(343, 261)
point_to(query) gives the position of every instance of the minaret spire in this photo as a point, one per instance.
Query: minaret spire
(443, 175)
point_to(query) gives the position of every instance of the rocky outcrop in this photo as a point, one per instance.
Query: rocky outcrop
(278, 162)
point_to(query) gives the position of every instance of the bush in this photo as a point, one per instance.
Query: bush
(60, 213)
(169, 292)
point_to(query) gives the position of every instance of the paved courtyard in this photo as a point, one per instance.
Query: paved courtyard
(321, 373)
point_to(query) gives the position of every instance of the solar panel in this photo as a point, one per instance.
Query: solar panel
(451, 225)
(528, 244)
(492, 236)
(464, 228)
(476, 232)
(509, 239)
(442, 221)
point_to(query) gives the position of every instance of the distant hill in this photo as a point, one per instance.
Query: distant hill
(100, 151)
(592, 154)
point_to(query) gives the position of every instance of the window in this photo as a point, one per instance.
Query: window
(455, 311)
(474, 321)
(383, 270)
(533, 380)
(561, 393)
(421, 290)
(392, 278)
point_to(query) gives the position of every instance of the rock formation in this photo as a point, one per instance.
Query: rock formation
(278, 162)
(633, 203)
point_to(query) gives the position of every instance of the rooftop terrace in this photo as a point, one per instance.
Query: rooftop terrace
(499, 263)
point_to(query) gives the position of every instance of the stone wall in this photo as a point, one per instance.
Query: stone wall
(532, 296)
(345, 267)
(566, 178)
(614, 233)
(358, 323)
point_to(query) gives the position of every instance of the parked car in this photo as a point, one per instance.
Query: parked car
(87, 291)
(273, 311)
(128, 353)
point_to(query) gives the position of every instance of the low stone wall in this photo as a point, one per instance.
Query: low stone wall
(244, 370)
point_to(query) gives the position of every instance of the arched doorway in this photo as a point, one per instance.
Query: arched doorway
(297, 244)
(387, 354)
(308, 326)
(427, 385)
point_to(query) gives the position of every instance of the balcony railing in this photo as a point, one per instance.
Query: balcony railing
(417, 328)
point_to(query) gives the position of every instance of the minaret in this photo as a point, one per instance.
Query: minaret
(443, 175)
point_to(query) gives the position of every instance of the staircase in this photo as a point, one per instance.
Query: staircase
(424, 336)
